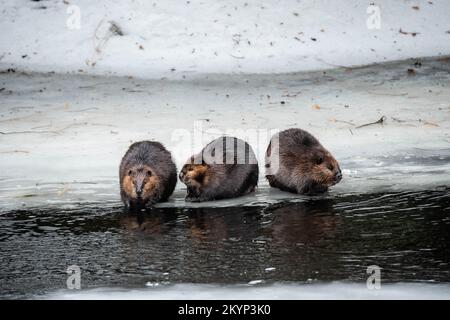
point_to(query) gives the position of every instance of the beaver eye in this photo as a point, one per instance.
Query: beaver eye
(330, 167)
(130, 173)
(190, 169)
(319, 160)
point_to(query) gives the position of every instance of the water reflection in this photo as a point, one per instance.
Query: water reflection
(304, 223)
(150, 222)
(322, 239)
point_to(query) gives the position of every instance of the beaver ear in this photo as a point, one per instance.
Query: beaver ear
(130, 172)
(148, 173)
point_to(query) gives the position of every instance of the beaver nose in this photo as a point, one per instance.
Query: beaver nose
(139, 193)
(338, 176)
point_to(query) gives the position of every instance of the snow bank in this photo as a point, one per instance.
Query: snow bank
(171, 38)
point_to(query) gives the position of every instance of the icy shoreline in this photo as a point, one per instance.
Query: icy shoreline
(334, 290)
(63, 135)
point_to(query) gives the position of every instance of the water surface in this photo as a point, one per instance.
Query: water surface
(310, 240)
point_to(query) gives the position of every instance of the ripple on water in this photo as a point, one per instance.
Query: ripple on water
(329, 238)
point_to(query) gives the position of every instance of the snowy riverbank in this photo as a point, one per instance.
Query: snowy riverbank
(173, 39)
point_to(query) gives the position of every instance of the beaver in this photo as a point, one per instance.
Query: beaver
(225, 168)
(147, 174)
(296, 162)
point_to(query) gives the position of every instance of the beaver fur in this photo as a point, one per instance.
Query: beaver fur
(225, 168)
(297, 162)
(147, 174)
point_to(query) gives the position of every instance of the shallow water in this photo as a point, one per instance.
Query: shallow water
(306, 241)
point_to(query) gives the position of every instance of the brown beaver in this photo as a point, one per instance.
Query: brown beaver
(147, 174)
(298, 163)
(225, 168)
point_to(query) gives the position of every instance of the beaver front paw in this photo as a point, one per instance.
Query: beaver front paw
(312, 188)
(193, 195)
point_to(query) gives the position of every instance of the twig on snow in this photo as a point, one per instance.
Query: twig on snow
(379, 121)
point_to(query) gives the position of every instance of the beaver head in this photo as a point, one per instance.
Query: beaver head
(141, 183)
(317, 170)
(193, 175)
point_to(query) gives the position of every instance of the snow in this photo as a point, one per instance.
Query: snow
(282, 291)
(173, 39)
(63, 135)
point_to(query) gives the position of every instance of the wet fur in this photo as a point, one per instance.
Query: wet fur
(142, 158)
(211, 181)
(304, 165)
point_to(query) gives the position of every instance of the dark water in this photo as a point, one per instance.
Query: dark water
(407, 234)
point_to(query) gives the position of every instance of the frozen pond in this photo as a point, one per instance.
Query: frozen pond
(62, 136)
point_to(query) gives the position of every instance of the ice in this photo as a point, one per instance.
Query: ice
(283, 291)
(63, 145)
(255, 282)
